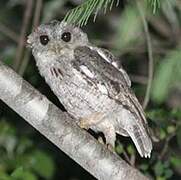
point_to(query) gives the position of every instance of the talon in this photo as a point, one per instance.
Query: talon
(82, 124)
(110, 147)
(100, 140)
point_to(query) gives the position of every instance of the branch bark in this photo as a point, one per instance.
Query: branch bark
(61, 129)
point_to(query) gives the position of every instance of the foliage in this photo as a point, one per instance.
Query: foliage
(129, 28)
(155, 4)
(165, 79)
(25, 154)
(19, 157)
(81, 14)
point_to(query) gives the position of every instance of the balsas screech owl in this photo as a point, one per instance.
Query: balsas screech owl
(89, 84)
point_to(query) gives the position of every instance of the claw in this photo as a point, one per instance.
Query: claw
(82, 124)
(110, 147)
(100, 139)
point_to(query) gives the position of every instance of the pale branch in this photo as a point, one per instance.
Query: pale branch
(61, 129)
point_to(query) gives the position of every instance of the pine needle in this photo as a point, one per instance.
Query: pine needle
(155, 5)
(81, 14)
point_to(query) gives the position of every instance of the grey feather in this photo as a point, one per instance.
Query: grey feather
(119, 90)
(88, 83)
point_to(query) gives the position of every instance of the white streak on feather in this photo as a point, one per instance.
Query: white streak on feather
(115, 65)
(87, 71)
(101, 53)
(102, 88)
(103, 56)
(126, 77)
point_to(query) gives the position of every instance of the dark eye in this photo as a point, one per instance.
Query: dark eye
(66, 36)
(44, 39)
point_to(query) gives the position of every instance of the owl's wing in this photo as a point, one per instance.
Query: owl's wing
(99, 71)
(109, 57)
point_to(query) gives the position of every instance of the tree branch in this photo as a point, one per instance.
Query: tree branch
(61, 129)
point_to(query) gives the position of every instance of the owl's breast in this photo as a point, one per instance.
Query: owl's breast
(80, 97)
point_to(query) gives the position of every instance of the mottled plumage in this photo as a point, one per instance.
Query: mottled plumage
(89, 84)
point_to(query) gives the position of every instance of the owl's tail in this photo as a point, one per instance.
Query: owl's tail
(141, 139)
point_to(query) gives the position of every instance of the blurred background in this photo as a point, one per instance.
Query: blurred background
(147, 42)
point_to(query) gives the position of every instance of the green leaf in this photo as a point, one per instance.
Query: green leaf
(171, 129)
(144, 167)
(168, 173)
(159, 117)
(43, 164)
(21, 174)
(176, 161)
(166, 164)
(23, 145)
(158, 168)
(8, 140)
(131, 149)
(176, 113)
(4, 176)
(168, 76)
(119, 148)
(157, 113)
(129, 28)
(162, 134)
(160, 178)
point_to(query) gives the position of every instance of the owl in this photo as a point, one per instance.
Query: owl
(88, 82)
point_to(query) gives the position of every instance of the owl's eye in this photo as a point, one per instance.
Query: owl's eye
(66, 36)
(44, 39)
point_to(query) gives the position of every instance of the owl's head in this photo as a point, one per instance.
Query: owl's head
(53, 37)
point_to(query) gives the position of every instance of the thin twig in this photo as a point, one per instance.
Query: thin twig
(26, 19)
(126, 156)
(150, 55)
(133, 160)
(166, 145)
(36, 21)
(37, 14)
(24, 63)
(8, 32)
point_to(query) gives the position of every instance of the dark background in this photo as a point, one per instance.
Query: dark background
(25, 154)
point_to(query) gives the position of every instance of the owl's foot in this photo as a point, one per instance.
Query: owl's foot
(100, 140)
(110, 135)
(91, 120)
(110, 147)
(82, 124)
